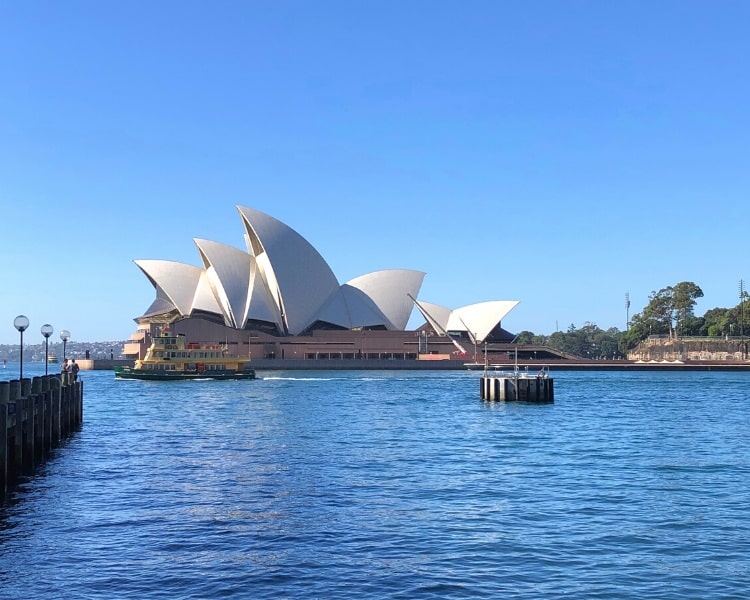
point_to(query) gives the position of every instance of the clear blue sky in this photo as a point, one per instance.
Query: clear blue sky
(556, 153)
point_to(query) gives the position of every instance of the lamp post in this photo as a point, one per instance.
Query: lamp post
(46, 332)
(21, 322)
(64, 336)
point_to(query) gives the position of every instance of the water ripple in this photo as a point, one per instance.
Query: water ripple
(390, 485)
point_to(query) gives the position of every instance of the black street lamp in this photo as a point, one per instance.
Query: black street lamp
(21, 322)
(64, 336)
(46, 332)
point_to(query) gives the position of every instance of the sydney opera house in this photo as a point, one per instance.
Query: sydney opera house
(279, 299)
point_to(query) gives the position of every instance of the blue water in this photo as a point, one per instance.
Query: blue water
(390, 485)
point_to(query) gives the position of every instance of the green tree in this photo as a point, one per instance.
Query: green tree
(717, 322)
(525, 337)
(672, 305)
(684, 296)
(659, 311)
(607, 343)
(692, 326)
(589, 341)
(640, 328)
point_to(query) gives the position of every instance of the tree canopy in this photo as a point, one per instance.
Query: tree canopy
(670, 311)
(670, 307)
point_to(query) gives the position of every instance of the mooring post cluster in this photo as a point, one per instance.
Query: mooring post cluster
(35, 415)
(511, 387)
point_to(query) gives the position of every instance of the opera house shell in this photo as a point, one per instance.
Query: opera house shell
(281, 287)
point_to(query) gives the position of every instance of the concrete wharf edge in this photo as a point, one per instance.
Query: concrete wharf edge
(36, 415)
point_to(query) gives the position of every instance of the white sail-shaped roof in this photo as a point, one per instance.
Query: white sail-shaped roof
(283, 281)
(177, 281)
(477, 320)
(480, 319)
(351, 308)
(229, 275)
(260, 303)
(159, 307)
(391, 291)
(204, 299)
(296, 274)
(437, 316)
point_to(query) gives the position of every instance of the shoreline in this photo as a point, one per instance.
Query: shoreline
(265, 364)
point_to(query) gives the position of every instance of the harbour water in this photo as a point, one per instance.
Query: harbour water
(390, 485)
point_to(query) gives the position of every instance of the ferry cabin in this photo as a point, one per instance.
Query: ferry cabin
(172, 353)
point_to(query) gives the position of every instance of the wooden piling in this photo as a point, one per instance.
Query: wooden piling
(35, 415)
(4, 396)
(55, 386)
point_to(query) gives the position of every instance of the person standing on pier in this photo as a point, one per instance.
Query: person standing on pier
(65, 368)
(74, 368)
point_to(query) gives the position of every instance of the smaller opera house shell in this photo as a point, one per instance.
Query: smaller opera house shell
(280, 299)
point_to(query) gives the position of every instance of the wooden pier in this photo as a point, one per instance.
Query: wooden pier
(518, 387)
(35, 416)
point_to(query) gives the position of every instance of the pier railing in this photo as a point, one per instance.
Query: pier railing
(35, 416)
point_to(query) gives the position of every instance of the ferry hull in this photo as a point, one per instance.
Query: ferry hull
(152, 375)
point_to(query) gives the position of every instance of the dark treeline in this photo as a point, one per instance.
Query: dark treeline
(669, 312)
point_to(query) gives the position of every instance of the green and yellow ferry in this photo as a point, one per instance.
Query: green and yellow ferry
(171, 357)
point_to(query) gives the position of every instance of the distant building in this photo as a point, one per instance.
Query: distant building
(282, 294)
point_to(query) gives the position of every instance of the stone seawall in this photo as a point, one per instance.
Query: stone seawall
(691, 349)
